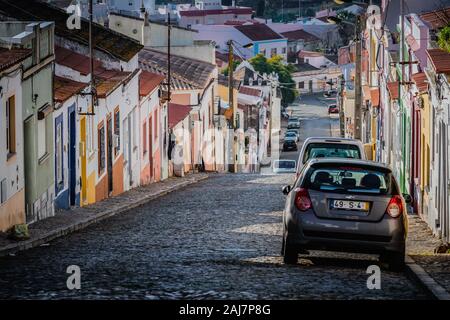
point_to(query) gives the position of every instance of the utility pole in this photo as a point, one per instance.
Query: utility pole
(93, 91)
(401, 81)
(341, 106)
(299, 9)
(168, 83)
(358, 89)
(91, 53)
(169, 75)
(231, 103)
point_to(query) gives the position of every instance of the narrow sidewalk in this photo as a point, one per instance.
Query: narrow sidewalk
(430, 269)
(68, 221)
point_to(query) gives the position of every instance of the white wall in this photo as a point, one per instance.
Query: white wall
(12, 170)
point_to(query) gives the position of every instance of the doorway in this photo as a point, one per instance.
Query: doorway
(72, 157)
(150, 147)
(83, 161)
(109, 159)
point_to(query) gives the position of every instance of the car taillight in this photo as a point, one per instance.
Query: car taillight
(395, 207)
(302, 200)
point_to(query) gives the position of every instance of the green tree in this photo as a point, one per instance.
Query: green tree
(444, 39)
(284, 71)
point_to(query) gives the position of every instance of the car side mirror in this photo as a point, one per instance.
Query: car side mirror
(407, 197)
(286, 189)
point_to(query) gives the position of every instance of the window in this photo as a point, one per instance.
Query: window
(283, 50)
(42, 140)
(117, 131)
(10, 126)
(331, 150)
(134, 130)
(352, 179)
(263, 52)
(59, 153)
(301, 85)
(144, 132)
(3, 190)
(273, 52)
(155, 123)
(101, 149)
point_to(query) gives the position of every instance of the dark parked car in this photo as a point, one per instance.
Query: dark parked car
(290, 145)
(345, 205)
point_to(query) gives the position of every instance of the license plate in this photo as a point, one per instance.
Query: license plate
(350, 205)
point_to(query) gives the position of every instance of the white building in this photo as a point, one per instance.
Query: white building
(12, 192)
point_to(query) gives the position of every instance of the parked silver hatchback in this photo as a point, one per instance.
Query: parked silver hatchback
(345, 205)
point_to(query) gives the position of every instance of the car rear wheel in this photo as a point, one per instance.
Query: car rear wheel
(395, 260)
(290, 254)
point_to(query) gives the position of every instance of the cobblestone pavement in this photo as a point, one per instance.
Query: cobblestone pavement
(437, 266)
(420, 246)
(67, 221)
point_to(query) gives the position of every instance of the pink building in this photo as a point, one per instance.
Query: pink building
(150, 126)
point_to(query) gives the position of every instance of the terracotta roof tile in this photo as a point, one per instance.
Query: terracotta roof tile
(177, 113)
(250, 91)
(393, 89)
(106, 80)
(187, 74)
(66, 88)
(299, 35)
(148, 82)
(437, 19)
(106, 40)
(75, 61)
(421, 81)
(8, 58)
(258, 32)
(440, 60)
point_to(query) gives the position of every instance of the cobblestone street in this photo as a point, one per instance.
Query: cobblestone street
(219, 238)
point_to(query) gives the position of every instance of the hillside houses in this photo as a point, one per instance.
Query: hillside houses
(72, 142)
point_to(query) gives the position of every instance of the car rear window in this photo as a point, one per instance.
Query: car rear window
(343, 179)
(331, 150)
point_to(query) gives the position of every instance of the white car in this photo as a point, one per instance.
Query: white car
(284, 166)
(328, 147)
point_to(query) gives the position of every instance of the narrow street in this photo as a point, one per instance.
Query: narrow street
(218, 239)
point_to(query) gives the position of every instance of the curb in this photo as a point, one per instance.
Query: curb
(434, 289)
(63, 231)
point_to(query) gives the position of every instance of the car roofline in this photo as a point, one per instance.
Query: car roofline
(347, 161)
(330, 139)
